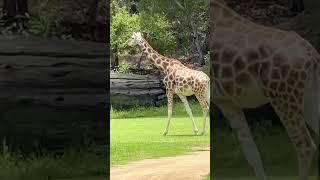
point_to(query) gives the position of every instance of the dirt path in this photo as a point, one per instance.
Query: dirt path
(193, 166)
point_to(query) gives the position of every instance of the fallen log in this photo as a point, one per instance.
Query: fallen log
(53, 93)
(130, 90)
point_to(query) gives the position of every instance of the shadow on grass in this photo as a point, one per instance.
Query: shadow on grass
(182, 135)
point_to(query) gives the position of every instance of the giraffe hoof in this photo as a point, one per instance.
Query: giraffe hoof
(165, 133)
(196, 132)
(203, 133)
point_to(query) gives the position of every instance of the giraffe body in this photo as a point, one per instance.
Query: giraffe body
(179, 80)
(253, 65)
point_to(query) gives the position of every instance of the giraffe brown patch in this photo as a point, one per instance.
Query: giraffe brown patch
(271, 94)
(251, 55)
(149, 50)
(254, 69)
(242, 78)
(171, 77)
(289, 89)
(298, 64)
(227, 55)
(292, 100)
(300, 85)
(284, 70)
(279, 59)
(273, 85)
(227, 72)
(282, 87)
(296, 93)
(239, 64)
(294, 75)
(264, 51)
(275, 74)
(165, 65)
(154, 56)
(158, 61)
(291, 81)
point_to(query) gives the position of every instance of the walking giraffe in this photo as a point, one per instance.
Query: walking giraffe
(253, 65)
(179, 80)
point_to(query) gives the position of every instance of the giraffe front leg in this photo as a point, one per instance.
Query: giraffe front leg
(170, 104)
(188, 109)
(240, 126)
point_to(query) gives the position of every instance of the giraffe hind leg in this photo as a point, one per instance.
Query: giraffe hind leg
(205, 108)
(293, 120)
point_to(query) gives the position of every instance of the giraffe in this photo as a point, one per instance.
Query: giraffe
(252, 65)
(179, 80)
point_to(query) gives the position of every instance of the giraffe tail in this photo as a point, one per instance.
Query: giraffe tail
(312, 101)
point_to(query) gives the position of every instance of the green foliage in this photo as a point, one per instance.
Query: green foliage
(47, 17)
(123, 68)
(180, 14)
(155, 28)
(122, 26)
(157, 31)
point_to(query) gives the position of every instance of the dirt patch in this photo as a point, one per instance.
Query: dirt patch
(193, 166)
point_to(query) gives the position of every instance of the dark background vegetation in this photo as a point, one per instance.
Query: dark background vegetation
(53, 56)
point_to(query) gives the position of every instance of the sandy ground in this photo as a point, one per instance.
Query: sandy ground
(193, 166)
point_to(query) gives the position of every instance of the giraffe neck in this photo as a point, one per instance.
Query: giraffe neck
(157, 59)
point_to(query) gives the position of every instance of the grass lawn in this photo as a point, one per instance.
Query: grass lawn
(137, 133)
(75, 164)
(277, 152)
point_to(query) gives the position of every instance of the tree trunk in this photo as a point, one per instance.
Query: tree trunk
(12, 8)
(296, 6)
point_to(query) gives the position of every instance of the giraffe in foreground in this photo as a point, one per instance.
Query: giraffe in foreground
(253, 65)
(179, 80)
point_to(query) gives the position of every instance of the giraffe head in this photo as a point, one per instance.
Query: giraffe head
(135, 39)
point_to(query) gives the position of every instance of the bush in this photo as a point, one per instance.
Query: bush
(47, 17)
(122, 25)
(155, 27)
(157, 30)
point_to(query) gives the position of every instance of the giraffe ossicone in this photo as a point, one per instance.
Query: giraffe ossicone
(179, 80)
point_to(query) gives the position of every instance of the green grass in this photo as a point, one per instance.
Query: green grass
(76, 163)
(277, 152)
(137, 133)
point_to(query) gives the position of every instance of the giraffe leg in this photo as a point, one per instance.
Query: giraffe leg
(205, 108)
(188, 109)
(170, 103)
(298, 132)
(240, 126)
